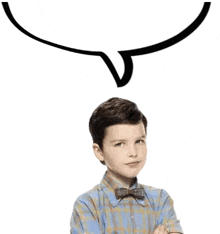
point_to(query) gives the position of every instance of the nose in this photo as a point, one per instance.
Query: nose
(132, 152)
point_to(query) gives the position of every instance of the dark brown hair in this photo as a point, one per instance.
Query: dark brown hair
(113, 111)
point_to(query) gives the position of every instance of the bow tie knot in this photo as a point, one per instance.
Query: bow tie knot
(123, 192)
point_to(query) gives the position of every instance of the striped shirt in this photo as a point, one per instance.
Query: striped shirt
(98, 211)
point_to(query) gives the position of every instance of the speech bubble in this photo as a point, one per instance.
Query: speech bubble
(126, 55)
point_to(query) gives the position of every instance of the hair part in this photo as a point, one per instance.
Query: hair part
(111, 112)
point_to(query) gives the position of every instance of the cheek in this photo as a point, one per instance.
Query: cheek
(109, 155)
(143, 151)
(144, 154)
(114, 157)
(114, 162)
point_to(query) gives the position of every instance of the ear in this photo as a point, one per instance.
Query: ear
(98, 152)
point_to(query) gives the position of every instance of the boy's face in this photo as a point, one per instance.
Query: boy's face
(124, 149)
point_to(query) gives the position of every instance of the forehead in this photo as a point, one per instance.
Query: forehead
(124, 131)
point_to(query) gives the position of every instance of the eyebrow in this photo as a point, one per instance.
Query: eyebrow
(144, 136)
(118, 140)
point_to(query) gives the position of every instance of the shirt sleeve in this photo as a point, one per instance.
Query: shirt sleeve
(167, 215)
(84, 219)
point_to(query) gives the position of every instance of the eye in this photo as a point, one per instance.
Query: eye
(140, 141)
(119, 144)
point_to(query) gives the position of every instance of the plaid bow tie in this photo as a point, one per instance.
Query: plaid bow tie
(123, 192)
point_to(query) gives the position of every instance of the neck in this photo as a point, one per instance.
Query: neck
(125, 181)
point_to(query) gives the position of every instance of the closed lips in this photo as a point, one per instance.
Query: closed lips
(132, 162)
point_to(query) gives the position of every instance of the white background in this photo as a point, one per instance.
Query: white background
(47, 96)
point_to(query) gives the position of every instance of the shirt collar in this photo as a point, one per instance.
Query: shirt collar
(108, 185)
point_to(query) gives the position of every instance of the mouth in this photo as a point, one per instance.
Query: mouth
(133, 163)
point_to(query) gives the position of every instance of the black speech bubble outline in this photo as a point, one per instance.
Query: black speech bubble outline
(126, 55)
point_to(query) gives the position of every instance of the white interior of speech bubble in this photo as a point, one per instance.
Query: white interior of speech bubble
(107, 26)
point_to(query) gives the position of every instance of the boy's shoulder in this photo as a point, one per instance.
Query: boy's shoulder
(154, 191)
(92, 194)
(157, 197)
(155, 194)
(151, 189)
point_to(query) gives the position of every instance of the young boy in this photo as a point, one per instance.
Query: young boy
(119, 204)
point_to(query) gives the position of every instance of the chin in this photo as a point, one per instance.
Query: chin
(131, 175)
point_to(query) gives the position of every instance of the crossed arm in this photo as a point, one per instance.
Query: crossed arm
(162, 229)
(86, 222)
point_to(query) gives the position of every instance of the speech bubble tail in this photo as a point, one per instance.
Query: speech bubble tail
(128, 67)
